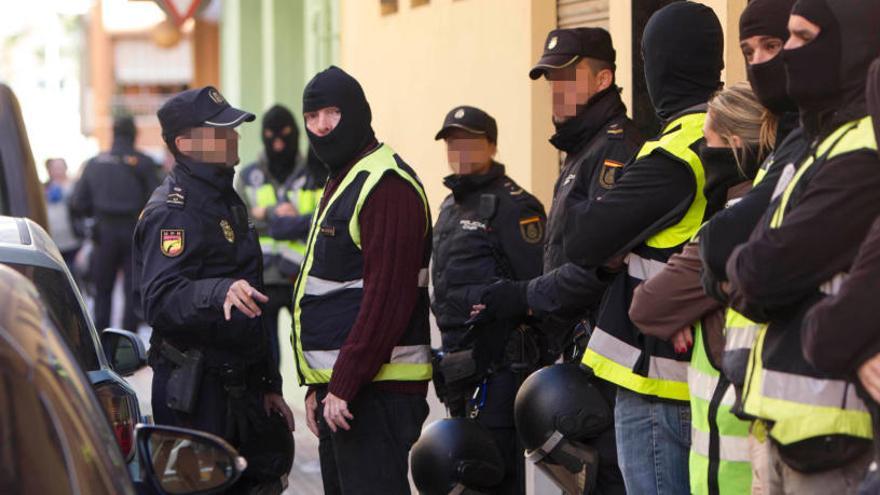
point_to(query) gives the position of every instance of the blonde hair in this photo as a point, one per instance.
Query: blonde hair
(737, 112)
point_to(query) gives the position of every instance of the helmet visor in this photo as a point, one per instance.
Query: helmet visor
(571, 466)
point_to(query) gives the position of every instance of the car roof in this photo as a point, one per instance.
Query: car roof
(23, 241)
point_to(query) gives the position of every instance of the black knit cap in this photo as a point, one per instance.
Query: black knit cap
(765, 18)
(567, 46)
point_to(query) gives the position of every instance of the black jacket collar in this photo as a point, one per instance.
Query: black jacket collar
(463, 185)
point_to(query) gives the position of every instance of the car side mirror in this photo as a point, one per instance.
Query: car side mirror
(180, 460)
(124, 351)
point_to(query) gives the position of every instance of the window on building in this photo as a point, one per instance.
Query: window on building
(388, 6)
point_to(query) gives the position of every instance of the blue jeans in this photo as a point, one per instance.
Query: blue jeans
(653, 440)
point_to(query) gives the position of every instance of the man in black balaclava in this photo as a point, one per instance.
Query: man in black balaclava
(362, 337)
(656, 206)
(113, 189)
(807, 239)
(267, 188)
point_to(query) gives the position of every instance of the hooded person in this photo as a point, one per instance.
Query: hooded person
(763, 32)
(655, 207)
(361, 331)
(790, 264)
(267, 188)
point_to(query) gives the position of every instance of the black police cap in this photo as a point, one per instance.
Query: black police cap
(470, 119)
(566, 46)
(199, 107)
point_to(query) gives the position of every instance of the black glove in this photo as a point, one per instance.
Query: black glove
(504, 300)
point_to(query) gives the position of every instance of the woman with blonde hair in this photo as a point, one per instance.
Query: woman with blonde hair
(739, 134)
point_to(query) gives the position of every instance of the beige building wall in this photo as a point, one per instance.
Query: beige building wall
(419, 62)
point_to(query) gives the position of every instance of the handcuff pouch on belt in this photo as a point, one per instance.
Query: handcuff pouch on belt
(182, 389)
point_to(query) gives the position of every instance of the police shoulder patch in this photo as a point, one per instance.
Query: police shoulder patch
(171, 242)
(608, 173)
(532, 229)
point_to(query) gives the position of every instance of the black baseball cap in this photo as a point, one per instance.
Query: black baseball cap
(566, 46)
(199, 107)
(470, 119)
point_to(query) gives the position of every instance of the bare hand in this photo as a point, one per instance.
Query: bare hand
(311, 407)
(244, 297)
(476, 309)
(258, 212)
(274, 403)
(336, 413)
(615, 264)
(682, 340)
(869, 375)
(286, 210)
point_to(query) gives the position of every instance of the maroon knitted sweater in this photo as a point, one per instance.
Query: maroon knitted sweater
(393, 227)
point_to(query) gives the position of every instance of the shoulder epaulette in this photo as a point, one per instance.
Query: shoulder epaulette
(176, 197)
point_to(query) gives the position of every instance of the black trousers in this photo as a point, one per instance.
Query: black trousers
(496, 416)
(372, 457)
(280, 296)
(112, 252)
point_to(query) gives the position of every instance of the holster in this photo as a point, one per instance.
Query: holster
(182, 389)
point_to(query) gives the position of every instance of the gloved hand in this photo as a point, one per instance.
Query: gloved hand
(504, 300)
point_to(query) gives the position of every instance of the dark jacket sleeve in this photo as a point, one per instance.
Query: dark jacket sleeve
(290, 228)
(171, 296)
(674, 298)
(569, 289)
(732, 226)
(842, 331)
(393, 236)
(652, 193)
(523, 252)
(779, 267)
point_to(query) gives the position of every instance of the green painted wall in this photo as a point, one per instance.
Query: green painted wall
(269, 50)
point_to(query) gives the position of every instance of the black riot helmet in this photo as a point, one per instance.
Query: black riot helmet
(456, 456)
(557, 411)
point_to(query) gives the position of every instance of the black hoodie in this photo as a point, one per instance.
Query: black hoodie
(683, 47)
(830, 212)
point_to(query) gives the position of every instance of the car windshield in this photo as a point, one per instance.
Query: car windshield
(65, 311)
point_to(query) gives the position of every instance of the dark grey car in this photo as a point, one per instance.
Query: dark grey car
(27, 248)
(54, 438)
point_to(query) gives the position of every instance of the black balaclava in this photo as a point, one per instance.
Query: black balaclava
(768, 80)
(723, 171)
(333, 87)
(683, 51)
(280, 122)
(826, 77)
(124, 131)
(315, 168)
(873, 96)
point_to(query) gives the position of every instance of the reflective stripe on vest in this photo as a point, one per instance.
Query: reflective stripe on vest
(613, 359)
(642, 268)
(608, 356)
(723, 468)
(801, 406)
(315, 365)
(305, 201)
